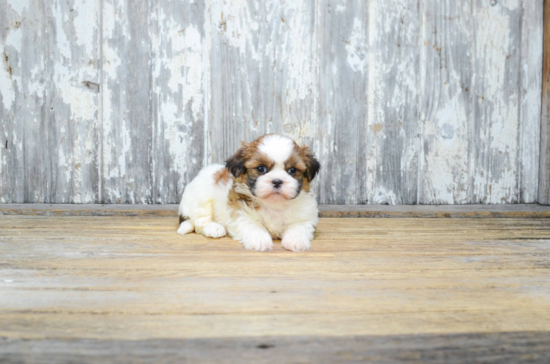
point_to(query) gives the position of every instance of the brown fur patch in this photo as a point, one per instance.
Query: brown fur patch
(305, 184)
(259, 159)
(222, 176)
(250, 149)
(246, 152)
(295, 160)
(240, 179)
(243, 179)
(312, 165)
(236, 200)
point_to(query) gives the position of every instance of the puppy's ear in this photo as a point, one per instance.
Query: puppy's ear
(312, 165)
(235, 164)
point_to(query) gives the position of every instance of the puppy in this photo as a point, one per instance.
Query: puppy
(262, 193)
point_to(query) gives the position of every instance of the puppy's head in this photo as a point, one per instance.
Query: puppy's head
(274, 167)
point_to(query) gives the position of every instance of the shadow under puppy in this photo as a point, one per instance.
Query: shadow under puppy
(261, 194)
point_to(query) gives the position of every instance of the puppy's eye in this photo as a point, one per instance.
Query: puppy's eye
(292, 170)
(262, 169)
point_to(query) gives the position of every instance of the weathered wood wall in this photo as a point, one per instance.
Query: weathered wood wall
(544, 175)
(403, 101)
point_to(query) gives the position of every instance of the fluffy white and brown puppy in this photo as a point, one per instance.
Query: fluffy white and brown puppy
(261, 194)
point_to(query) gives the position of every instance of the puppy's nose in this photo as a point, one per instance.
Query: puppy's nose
(277, 183)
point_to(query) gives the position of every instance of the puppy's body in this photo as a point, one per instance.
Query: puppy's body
(261, 194)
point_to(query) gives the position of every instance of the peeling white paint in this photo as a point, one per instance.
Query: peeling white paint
(86, 14)
(12, 46)
(382, 196)
(392, 153)
(445, 180)
(19, 6)
(236, 21)
(185, 65)
(61, 40)
(14, 39)
(531, 100)
(297, 55)
(122, 155)
(7, 92)
(114, 162)
(63, 163)
(356, 47)
(114, 14)
(496, 176)
(37, 85)
(80, 100)
(179, 71)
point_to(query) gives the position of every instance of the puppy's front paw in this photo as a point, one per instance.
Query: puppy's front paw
(258, 240)
(186, 227)
(296, 241)
(214, 230)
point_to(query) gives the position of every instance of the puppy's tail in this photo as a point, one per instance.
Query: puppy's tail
(186, 226)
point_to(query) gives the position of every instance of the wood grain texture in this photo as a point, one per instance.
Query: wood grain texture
(342, 130)
(404, 101)
(74, 85)
(393, 67)
(26, 98)
(531, 211)
(445, 102)
(133, 278)
(127, 127)
(496, 100)
(50, 98)
(179, 62)
(544, 175)
(530, 100)
(264, 72)
(507, 347)
(12, 39)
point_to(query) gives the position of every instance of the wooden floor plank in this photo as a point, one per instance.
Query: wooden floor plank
(329, 211)
(422, 285)
(509, 347)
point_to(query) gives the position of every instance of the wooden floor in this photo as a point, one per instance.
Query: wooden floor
(129, 289)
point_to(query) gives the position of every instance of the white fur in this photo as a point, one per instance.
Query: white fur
(281, 215)
(186, 227)
(277, 147)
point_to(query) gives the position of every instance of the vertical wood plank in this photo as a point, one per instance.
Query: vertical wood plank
(24, 71)
(264, 72)
(544, 173)
(73, 116)
(179, 100)
(393, 143)
(530, 98)
(495, 131)
(445, 101)
(12, 33)
(342, 131)
(127, 113)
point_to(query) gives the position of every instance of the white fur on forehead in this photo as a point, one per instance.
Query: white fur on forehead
(277, 147)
